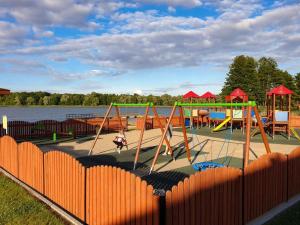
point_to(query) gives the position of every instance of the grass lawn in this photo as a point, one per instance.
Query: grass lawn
(291, 216)
(17, 206)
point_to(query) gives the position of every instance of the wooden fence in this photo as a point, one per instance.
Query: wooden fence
(109, 195)
(125, 198)
(46, 128)
(209, 197)
(295, 121)
(121, 198)
(152, 123)
(294, 173)
(265, 185)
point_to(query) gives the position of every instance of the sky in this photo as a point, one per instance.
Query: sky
(143, 46)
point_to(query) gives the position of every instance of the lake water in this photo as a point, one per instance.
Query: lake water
(59, 113)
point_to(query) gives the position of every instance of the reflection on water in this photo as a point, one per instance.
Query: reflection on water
(59, 113)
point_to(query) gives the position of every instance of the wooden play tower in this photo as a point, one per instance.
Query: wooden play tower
(279, 110)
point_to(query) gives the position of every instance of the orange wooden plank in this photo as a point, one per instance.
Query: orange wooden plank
(88, 194)
(118, 197)
(169, 206)
(109, 194)
(127, 195)
(144, 202)
(101, 190)
(175, 206)
(132, 199)
(123, 197)
(149, 205)
(186, 198)
(114, 195)
(192, 196)
(138, 201)
(156, 210)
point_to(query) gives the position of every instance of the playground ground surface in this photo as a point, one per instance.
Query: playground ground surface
(238, 135)
(17, 206)
(167, 172)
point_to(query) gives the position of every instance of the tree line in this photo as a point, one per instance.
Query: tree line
(92, 99)
(255, 77)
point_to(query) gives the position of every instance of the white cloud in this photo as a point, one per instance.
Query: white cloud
(141, 40)
(47, 12)
(11, 34)
(171, 9)
(184, 3)
(138, 91)
(151, 21)
(216, 42)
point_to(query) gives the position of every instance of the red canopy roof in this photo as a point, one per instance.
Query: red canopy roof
(208, 95)
(280, 90)
(237, 93)
(191, 94)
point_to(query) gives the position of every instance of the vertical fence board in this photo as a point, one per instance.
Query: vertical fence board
(293, 173)
(9, 155)
(60, 182)
(30, 165)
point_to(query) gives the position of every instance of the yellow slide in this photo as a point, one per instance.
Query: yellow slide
(228, 118)
(295, 134)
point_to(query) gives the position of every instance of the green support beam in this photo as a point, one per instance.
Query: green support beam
(245, 104)
(133, 104)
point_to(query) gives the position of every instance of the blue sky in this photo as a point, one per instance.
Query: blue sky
(143, 46)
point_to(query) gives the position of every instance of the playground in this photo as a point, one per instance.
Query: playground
(204, 153)
(208, 135)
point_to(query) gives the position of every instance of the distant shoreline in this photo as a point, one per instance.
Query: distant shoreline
(71, 106)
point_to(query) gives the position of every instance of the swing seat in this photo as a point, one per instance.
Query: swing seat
(202, 166)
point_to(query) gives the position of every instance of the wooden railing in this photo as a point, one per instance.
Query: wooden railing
(152, 123)
(70, 127)
(110, 195)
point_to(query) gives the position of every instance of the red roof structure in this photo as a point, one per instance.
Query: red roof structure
(191, 94)
(280, 90)
(4, 91)
(237, 93)
(208, 95)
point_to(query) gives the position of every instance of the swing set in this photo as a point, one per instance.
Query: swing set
(117, 107)
(248, 105)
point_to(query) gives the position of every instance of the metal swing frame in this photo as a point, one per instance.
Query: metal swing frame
(117, 108)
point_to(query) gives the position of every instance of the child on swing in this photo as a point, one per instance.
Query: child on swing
(120, 140)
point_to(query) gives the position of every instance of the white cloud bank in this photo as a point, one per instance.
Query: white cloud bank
(143, 40)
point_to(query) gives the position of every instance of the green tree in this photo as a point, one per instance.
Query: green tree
(55, 99)
(242, 74)
(46, 100)
(30, 100)
(266, 69)
(64, 100)
(297, 83)
(91, 100)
